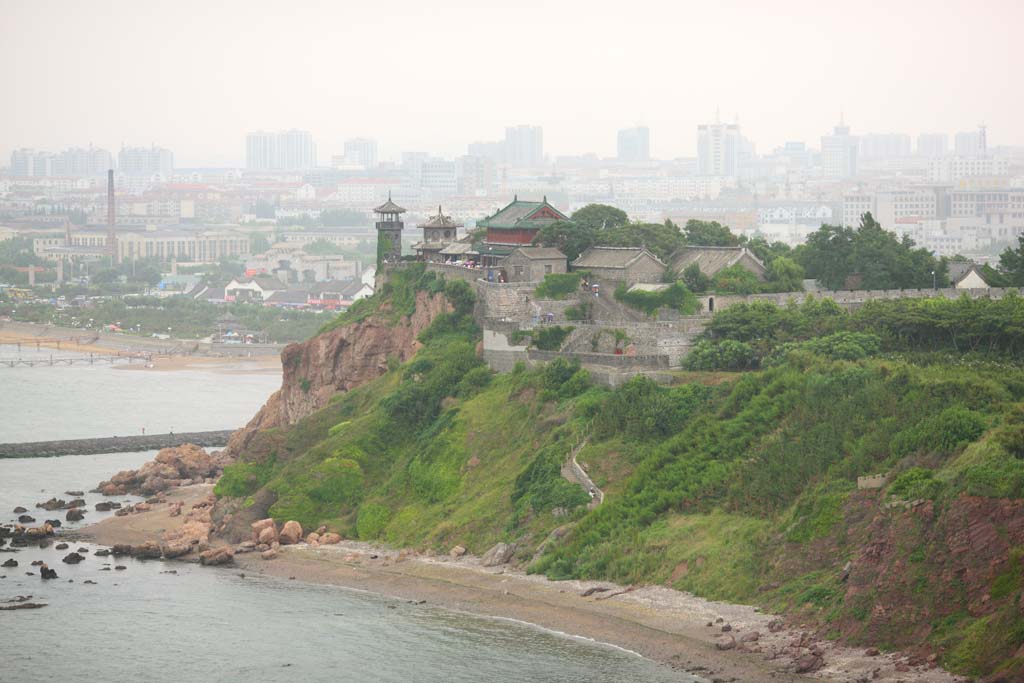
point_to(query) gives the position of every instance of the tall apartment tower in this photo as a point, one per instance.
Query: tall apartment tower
(932, 145)
(718, 148)
(634, 144)
(524, 146)
(839, 152)
(362, 152)
(111, 218)
(285, 150)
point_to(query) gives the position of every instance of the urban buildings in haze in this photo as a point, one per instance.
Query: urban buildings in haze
(634, 144)
(361, 152)
(718, 149)
(839, 152)
(142, 161)
(524, 146)
(285, 150)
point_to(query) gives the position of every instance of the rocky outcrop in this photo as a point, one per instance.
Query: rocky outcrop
(180, 466)
(217, 556)
(500, 554)
(339, 360)
(291, 533)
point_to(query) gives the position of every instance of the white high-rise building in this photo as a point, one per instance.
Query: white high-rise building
(285, 150)
(634, 144)
(524, 146)
(143, 161)
(971, 143)
(361, 152)
(884, 146)
(839, 153)
(932, 145)
(31, 163)
(718, 149)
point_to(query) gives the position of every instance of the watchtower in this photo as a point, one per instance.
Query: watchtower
(389, 231)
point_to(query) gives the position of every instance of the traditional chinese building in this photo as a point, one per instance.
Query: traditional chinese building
(438, 232)
(389, 231)
(515, 226)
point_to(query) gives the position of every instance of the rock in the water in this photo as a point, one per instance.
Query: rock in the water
(77, 503)
(175, 550)
(74, 494)
(329, 538)
(75, 515)
(52, 504)
(47, 573)
(102, 552)
(18, 510)
(150, 550)
(725, 643)
(501, 553)
(216, 556)
(26, 519)
(55, 523)
(121, 549)
(61, 546)
(104, 506)
(457, 551)
(72, 558)
(291, 533)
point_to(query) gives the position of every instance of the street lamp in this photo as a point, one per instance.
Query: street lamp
(934, 283)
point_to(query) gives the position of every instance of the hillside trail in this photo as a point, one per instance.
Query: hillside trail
(571, 471)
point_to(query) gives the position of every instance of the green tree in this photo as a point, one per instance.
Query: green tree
(695, 279)
(343, 217)
(600, 217)
(1011, 265)
(709, 234)
(785, 275)
(569, 237)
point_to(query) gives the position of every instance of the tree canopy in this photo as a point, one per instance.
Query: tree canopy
(877, 258)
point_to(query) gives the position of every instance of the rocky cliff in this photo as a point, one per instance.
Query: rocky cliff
(337, 361)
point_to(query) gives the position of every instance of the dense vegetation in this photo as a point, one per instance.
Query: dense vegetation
(736, 486)
(676, 297)
(760, 330)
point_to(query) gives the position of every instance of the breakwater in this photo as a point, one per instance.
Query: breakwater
(113, 444)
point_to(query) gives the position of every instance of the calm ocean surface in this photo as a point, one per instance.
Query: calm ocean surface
(206, 624)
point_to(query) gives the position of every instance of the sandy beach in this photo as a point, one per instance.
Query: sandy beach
(668, 626)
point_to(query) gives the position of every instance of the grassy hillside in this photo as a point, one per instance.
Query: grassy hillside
(739, 486)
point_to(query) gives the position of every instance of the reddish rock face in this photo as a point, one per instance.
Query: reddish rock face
(339, 360)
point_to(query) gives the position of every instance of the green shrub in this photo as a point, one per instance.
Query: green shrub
(676, 296)
(550, 338)
(916, 483)
(941, 433)
(541, 487)
(558, 286)
(241, 479)
(723, 355)
(371, 521)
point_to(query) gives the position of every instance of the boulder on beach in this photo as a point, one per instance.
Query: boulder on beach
(61, 546)
(72, 558)
(77, 503)
(330, 538)
(725, 643)
(268, 535)
(291, 533)
(25, 519)
(75, 515)
(51, 505)
(258, 527)
(18, 510)
(104, 506)
(217, 556)
(313, 538)
(499, 554)
(457, 551)
(172, 467)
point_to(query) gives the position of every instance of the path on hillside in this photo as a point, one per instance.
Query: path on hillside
(571, 471)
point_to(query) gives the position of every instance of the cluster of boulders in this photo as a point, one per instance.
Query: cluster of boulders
(267, 539)
(19, 535)
(179, 466)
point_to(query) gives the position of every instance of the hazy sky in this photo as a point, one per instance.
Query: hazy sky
(432, 75)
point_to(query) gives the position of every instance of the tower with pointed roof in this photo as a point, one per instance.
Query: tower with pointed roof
(438, 232)
(389, 231)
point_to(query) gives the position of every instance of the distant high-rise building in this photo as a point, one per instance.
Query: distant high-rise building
(839, 153)
(884, 146)
(971, 143)
(524, 146)
(79, 162)
(495, 151)
(718, 149)
(145, 161)
(361, 152)
(475, 174)
(931, 145)
(285, 150)
(634, 144)
(31, 163)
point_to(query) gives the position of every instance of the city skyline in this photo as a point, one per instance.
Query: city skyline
(252, 67)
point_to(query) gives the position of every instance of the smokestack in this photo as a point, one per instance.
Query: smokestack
(111, 218)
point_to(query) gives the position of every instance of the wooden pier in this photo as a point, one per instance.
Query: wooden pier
(83, 359)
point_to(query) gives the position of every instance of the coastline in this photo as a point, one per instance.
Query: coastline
(661, 624)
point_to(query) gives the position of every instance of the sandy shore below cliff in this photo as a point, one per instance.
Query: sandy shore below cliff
(662, 624)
